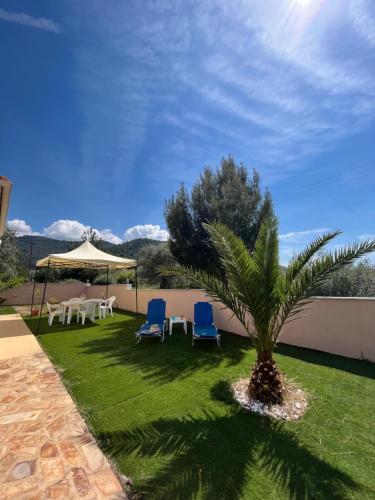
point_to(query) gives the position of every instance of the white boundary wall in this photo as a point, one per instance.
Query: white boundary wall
(344, 326)
(21, 295)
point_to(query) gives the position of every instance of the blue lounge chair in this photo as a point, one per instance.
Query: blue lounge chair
(204, 326)
(156, 322)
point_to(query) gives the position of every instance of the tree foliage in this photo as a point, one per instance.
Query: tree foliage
(93, 237)
(229, 196)
(150, 258)
(9, 256)
(261, 294)
(11, 272)
(352, 281)
(125, 276)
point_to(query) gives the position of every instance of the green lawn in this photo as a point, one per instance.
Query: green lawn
(165, 414)
(7, 310)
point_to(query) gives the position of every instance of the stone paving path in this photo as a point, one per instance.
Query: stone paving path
(46, 450)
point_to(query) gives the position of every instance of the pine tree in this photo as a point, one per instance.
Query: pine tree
(229, 196)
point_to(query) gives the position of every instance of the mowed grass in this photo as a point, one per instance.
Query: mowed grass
(164, 412)
(7, 310)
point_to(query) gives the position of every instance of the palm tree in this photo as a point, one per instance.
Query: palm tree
(262, 295)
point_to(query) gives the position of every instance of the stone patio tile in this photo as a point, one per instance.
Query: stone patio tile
(59, 490)
(32, 439)
(80, 481)
(38, 426)
(46, 449)
(70, 453)
(19, 417)
(77, 424)
(8, 431)
(84, 439)
(8, 398)
(4, 377)
(20, 490)
(25, 445)
(94, 456)
(22, 470)
(52, 469)
(3, 450)
(58, 427)
(7, 462)
(107, 483)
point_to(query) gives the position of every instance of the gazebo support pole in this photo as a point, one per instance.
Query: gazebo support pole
(32, 297)
(44, 295)
(30, 257)
(106, 294)
(136, 290)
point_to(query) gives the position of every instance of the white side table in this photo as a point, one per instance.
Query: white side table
(177, 319)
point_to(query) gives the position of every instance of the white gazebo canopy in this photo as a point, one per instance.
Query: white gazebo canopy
(86, 255)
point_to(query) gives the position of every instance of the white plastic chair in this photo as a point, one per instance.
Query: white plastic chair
(86, 309)
(74, 304)
(55, 310)
(97, 303)
(107, 305)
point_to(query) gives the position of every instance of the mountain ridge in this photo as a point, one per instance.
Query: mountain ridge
(43, 246)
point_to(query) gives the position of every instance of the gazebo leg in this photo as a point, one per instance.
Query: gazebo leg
(136, 290)
(32, 297)
(44, 295)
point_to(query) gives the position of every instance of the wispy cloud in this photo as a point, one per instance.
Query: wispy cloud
(368, 236)
(27, 20)
(274, 83)
(293, 242)
(298, 235)
(363, 17)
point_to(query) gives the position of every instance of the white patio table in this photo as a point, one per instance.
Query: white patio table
(72, 305)
(177, 319)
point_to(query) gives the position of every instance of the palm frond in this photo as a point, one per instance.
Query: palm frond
(304, 257)
(321, 268)
(254, 289)
(268, 279)
(308, 278)
(234, 258)
(254, 279)
(266, 258)
(214, 288)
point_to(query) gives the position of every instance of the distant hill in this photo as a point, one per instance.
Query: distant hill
(43, 246)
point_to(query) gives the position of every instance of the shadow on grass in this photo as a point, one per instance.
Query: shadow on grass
(176, 357)
(354, 366)
(162, 362)
(215, 457)
(56, 327)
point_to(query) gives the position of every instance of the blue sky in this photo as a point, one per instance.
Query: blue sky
(107, 106)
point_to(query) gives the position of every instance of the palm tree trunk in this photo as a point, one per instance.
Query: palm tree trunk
(266, 382)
